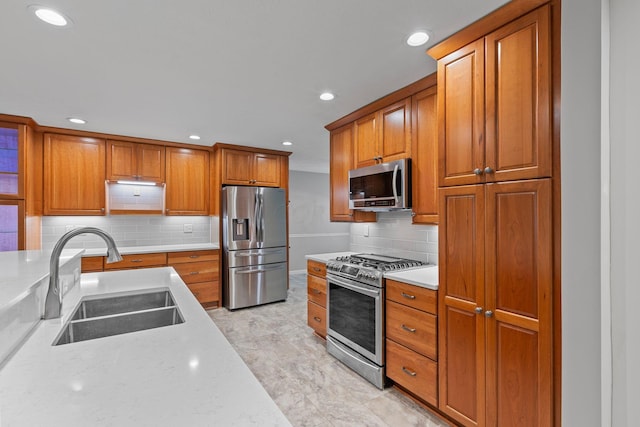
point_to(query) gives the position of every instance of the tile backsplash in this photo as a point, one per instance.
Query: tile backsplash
(131, 230)
(394, 234)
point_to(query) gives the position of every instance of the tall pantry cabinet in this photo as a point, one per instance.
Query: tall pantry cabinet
(496, 227)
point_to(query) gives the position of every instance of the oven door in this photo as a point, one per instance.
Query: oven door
(355, 316)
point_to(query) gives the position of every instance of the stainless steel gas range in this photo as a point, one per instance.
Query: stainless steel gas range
(355, 311)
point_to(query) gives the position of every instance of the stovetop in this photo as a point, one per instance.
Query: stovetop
(379, 262)
(369, 268)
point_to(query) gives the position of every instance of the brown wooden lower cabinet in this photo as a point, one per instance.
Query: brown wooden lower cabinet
(317, 297)
(199, 270)
(412, 339)
(495, 300)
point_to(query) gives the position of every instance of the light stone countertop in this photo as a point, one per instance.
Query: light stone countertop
(425, 277)
(20, 271)
(186, 374)
(124, 250)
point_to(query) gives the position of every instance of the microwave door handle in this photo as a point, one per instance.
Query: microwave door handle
(395, 182)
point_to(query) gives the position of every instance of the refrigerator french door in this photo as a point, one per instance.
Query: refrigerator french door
(254, 239)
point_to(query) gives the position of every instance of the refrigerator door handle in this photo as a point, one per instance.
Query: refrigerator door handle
(259, 270)
(260, 218)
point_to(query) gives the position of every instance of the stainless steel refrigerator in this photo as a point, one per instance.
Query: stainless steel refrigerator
(254, 243)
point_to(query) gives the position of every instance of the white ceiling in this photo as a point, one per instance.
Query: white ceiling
(238, 71)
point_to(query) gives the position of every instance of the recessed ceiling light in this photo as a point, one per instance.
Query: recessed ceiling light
(77, 120)
(418, 38)
(287, 143)
(327, 96)
(194, 137)
(50, 16)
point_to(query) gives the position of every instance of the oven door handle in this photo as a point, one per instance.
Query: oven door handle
(353, 287)
(339, 347)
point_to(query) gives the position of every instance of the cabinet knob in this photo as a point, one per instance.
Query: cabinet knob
(477, 171)
(488, 170)
(488, 313)
(478, 310)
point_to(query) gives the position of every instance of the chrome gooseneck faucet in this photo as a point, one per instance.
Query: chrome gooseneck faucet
(53, 303)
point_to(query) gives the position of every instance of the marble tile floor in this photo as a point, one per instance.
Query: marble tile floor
(310, 386)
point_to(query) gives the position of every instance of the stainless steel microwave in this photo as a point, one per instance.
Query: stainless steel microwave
(382, 187)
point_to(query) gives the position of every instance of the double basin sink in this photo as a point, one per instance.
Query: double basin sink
(120, 314)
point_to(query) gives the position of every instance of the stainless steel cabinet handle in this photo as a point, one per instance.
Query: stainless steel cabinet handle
(194, 256)
(408, 329)
(136, 260)
(408, 296)
(317, 319)
(408, 372)
(488, 170)
(478, 310)
(316, 269)
(315, 291)
(488, 313)
(477, 171)
(194, 272)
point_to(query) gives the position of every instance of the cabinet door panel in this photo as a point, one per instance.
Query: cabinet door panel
(151, 162)
(462, 365)
(121, 160)
(395, 131)
(266, 170)
(187, 191)
(341, 161)
(424, 149)
(366, 141)
(518, 99)
(518, 290)
(236, 167)
(461, 333)
(461, 244)
(461, 115)
(74, 175)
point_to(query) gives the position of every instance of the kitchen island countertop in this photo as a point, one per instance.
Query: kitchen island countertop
(185, 374)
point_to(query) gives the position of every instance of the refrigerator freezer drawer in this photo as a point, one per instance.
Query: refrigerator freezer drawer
(255, 285)
(256, 257)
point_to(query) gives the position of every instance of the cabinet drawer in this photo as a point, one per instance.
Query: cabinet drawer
(91, 263)
(316, 268)
(192, 256)
(194, 272)
(413, 328)
(416, 373)
(414, 296)
(139, 261)
(317, 290)
(205, 292)
(317, 318)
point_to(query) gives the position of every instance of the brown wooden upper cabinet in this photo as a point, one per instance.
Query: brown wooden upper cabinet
(187, 174)
(74, 175)
(135, 162)
(424, 166)
(250, 168)
(384, 135)
(341, 161)
(495, 105)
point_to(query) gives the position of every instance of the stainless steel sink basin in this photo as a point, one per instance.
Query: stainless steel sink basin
(114, 315)
(127, 303)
